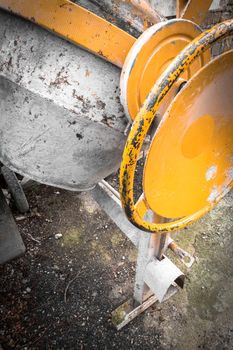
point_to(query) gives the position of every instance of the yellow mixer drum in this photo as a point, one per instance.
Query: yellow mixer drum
(189, 165)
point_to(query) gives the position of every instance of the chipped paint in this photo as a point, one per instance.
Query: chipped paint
(224, 190)
(211, 172)
(214, 194)
(230, 174)
(144, 119)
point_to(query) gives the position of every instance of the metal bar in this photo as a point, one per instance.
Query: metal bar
(180, 5)
(154, 279)
(194, 10)
(105, 184)
(111, 204)
(127, 311)
(186, 258)
(145, 254)
(76, 24)
(150, 246)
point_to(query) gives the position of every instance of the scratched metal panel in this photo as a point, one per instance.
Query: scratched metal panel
(69, 92)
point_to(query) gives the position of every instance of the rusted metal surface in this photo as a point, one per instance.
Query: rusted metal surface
(147, 11)
(74, 109)
(144, 119)
(186, 258)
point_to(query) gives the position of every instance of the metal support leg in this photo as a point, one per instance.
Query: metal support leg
(145, 253)
(157, 278)
(150, 246)
(11, 244)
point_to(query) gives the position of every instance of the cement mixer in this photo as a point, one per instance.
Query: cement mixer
(84, 84)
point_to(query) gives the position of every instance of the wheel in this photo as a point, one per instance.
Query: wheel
(15, 189)
(150, 55)
(188, 167)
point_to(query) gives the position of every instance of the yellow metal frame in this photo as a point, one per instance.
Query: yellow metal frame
(144, 119)
(77, 25)
(84, 28)
(194, 10)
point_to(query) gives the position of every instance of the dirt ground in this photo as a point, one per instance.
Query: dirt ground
(60, 294)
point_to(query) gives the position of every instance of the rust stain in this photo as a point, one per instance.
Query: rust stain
(87, 73)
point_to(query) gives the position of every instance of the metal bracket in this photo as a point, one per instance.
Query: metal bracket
(160, 276)
(186, 258)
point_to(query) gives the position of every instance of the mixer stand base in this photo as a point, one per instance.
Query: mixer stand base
(129, 310)
(157, 277)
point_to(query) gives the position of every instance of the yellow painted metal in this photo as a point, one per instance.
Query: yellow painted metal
(77, 25)
(142, 206)
(194, 10)
(189, 164)
(180, 5)
(144, 119)
(159, 47)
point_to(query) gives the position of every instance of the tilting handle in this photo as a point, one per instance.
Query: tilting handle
(144, 119)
